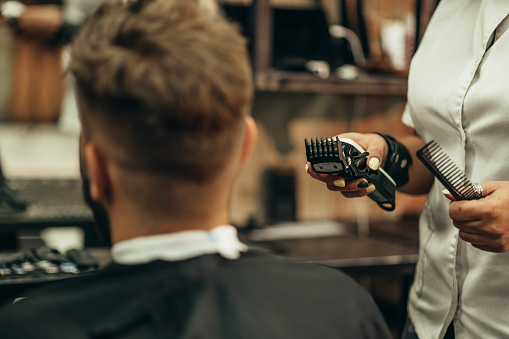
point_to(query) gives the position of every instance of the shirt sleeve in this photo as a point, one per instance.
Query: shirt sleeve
(407, 118)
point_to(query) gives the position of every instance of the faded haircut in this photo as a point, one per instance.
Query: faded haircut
(166, 84)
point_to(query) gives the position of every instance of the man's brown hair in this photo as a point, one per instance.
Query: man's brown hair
(165, 83)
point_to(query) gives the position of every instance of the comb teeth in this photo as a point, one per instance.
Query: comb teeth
(446, 171)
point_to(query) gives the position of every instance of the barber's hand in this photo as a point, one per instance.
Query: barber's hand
(377, 148)
(485, 222)
(39, 21)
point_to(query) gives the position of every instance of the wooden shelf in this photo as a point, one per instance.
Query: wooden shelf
(272, 80)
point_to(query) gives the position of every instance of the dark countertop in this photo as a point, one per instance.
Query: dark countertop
(391, 247)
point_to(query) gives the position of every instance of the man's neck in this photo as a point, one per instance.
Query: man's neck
(128, 226)
(142, 204)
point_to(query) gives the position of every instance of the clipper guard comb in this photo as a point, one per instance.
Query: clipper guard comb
(446, 171)
(345, 158)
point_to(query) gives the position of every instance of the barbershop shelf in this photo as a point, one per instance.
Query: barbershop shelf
(50, 202)
(301, 82)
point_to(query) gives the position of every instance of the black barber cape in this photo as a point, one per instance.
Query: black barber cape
(258, 296)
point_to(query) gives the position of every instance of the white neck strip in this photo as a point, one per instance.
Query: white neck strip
(179, 246)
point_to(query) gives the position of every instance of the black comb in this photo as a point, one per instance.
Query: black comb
(446, 171)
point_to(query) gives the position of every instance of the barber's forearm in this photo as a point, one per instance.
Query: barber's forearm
(420, 178)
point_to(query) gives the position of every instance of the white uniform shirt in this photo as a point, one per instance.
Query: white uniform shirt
(459, 96)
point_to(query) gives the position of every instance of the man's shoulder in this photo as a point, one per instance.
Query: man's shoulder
(262, 269)
(281, 292)
(256, 263)
(76, 304)
(257, 286)
(112, 280)
(281, 279)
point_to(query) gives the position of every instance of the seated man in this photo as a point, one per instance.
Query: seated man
(164, 92)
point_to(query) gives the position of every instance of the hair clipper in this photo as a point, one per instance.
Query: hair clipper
(345, 158)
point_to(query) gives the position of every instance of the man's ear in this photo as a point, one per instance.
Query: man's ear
(100, 184)
(250, 137)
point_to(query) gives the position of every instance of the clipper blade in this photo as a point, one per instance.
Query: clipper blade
(345, 158)
(446, 171)
(326, 156)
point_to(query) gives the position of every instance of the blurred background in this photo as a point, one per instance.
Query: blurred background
(321, 67)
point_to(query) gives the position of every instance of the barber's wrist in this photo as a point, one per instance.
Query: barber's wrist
(397, 161)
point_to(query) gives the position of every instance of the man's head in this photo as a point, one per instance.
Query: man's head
(164, 92)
